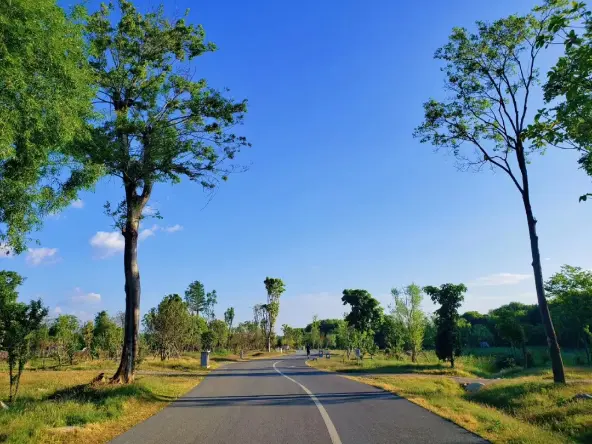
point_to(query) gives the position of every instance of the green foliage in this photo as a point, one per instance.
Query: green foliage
(18, 321)
(408, 317)
(168, 326)
(64, 331)
(315, 332)
(229, 317)
(220, 330)
(566, 124)
(107, 336)
(158, 124)
(274, 287)
(45, 98)
(366, 312)
(490, 78)
(570, 292)
(200, 302)
(450, 297)
(208, 339)
(87, 333)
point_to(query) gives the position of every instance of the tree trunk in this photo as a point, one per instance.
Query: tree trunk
(554, 352)
(452, 360)
(525, 355)
(126, 371)
(269, 343)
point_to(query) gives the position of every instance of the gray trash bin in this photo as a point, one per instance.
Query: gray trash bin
(205, 359)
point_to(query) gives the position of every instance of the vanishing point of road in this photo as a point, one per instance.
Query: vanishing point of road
(282, 400)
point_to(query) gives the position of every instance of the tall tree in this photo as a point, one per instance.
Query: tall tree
(158, 125)
(450, 297)
(408, 315)
(17, 323)
(200, 302)
(490, 76)
(274, 287)
(45, 97)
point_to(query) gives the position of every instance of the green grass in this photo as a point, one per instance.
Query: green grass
(522, 410)
(51, 402)
(474, 363)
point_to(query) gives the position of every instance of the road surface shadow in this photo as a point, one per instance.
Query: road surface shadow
(281, 400)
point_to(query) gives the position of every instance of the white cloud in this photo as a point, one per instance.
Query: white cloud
(37, 256)
(499, 279)
(78, 203)
(85, 298)
(108, 243)
(173, 229)
(57, 310)
(547, 258)
(149, 211)
(6, 252)
(147, 232)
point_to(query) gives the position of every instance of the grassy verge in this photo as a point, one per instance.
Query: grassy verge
(477, 366)
(61, 405)
(522, 410)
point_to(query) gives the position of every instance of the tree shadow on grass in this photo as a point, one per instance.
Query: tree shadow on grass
(101, 393)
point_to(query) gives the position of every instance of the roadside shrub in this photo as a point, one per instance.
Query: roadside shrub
(503, 362)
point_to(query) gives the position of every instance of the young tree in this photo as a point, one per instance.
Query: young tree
(229, 317)
(509, 323)
(168, 325)
(274, 287)
(64, 331)
(220, 330)
(107, 336)
(450, 297)
(17, 323)
(315, 332)
(88, 330)
(490, 76)
(158, 125)
(408, 315)
(200, 302)
(45, 97)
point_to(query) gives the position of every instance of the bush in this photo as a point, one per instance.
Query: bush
(505, 361)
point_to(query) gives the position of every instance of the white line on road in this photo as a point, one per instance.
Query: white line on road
(330, 426)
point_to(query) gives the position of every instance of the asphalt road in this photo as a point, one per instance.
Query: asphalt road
(284, 401)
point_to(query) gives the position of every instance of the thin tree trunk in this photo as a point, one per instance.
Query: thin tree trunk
(554, 352)
(268, 343)
(126, 371)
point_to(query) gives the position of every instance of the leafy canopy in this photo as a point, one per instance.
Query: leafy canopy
(366, 312)
(45, 97)
(159, 123)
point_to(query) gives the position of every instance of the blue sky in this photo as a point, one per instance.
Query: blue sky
(338, 193)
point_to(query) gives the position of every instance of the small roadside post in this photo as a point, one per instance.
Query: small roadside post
(205, 359)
